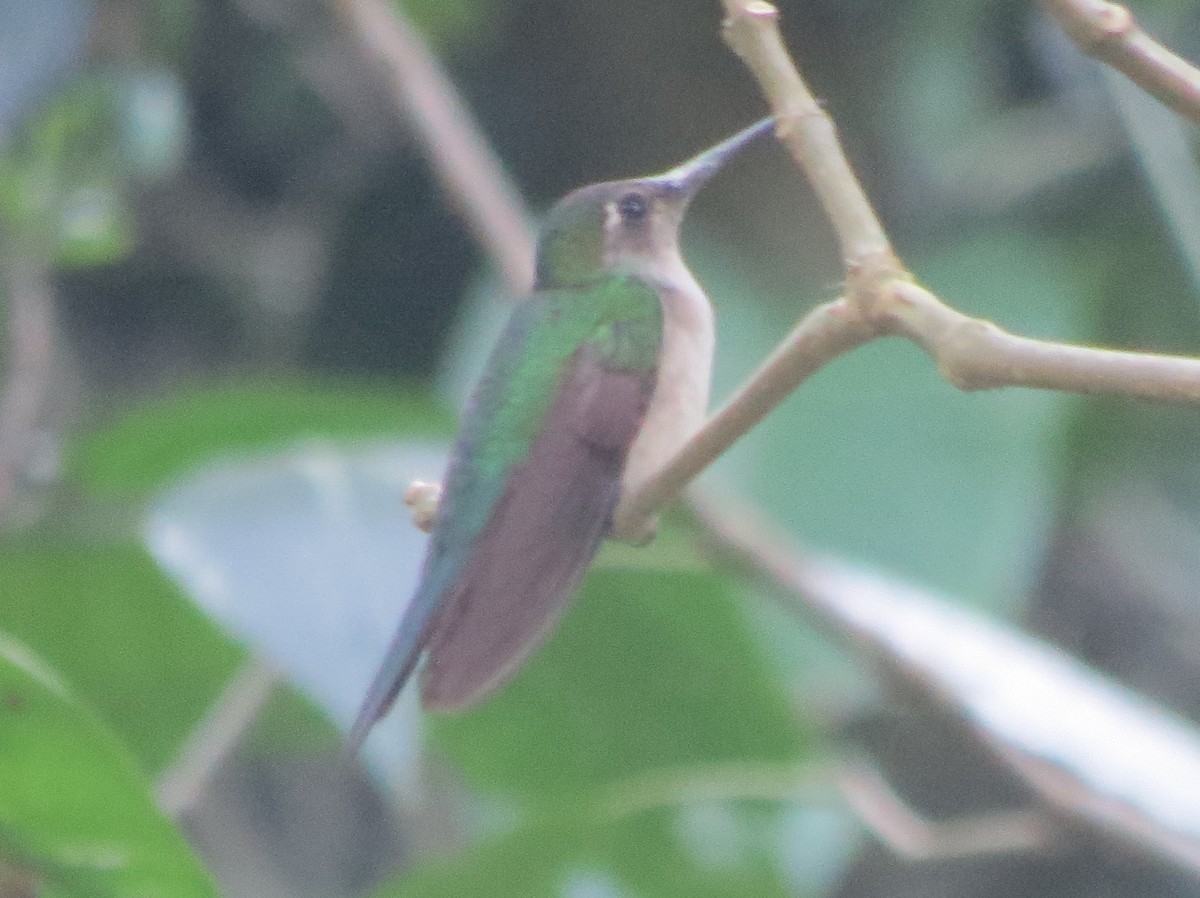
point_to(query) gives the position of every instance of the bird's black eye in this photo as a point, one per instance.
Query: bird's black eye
(632, 206)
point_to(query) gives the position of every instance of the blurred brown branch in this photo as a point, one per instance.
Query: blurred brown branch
(828, 331)
(1108, 32)
(882, 299)
(29, 363)
(995, 682)
(216, 735)
(454, 144)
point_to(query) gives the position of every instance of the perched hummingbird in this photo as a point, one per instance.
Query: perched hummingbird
(601, 375)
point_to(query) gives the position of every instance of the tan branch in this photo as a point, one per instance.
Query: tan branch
(821, 336)
(881, 297)
(982, 673)
(1108, 32)
(453, 142)
(752, 31)
(216, 735)
(912, 836)
(29, 364)
(973, 354)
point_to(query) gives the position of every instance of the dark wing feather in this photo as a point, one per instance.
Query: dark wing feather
(541, 537)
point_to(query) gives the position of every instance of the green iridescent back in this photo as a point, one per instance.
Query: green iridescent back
(620, 318)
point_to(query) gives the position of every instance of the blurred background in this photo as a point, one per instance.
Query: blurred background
(239, 315)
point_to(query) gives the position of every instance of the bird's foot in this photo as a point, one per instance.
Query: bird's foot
(422, 499)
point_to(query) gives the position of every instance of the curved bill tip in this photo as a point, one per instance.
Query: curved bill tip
(695, 173)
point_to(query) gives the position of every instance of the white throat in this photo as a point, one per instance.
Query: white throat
(679, 404)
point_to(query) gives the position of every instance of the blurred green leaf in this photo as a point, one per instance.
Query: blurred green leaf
(69, 146)
(63, 179)
(94, 228)
(650, 669)
(121, 634)
(651, 854)
(307, 554)
(159, 440)
(114, 623)
(74, 808)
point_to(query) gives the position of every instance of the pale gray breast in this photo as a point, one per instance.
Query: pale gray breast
(680, 402)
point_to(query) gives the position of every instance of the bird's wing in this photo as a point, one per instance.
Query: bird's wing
(542, 446)
(541, 537)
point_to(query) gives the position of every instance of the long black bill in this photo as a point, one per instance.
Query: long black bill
(696, 172)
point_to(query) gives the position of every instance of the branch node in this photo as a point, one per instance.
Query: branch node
(871, 287)
(1109, 32)
(1115, 21)
(1112, 24)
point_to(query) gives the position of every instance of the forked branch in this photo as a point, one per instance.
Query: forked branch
(882, 298)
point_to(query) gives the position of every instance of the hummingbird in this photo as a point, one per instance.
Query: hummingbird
(599, 378)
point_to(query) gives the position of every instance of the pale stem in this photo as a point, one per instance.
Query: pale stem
(822, 335)
(216, 735)
(752, 31)
(911, 835)
(1108, 32)
(973, 354)
(29, 360)
(881, 297)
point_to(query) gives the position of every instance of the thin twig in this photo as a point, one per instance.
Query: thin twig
(453, 142)
(751, 30)
(30, 360)
(822, 335)
(750, 781)
(1108, 32)
(216, 735)
(881, 299)
(983, 675)
(911, 835)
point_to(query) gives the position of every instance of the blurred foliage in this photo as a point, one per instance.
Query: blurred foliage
(58, 185)
(643, 854)
(122, 634)
(447, 23)
(76, 814)
(160, 441)
(64, 180)
(168, 159)
(649, 670)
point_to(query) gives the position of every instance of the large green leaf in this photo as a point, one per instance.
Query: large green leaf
(147, 447)
(74, 810)
(102, 611)
(649, 670)
(121, 634)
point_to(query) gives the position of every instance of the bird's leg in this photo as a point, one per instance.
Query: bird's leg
(422, 499)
